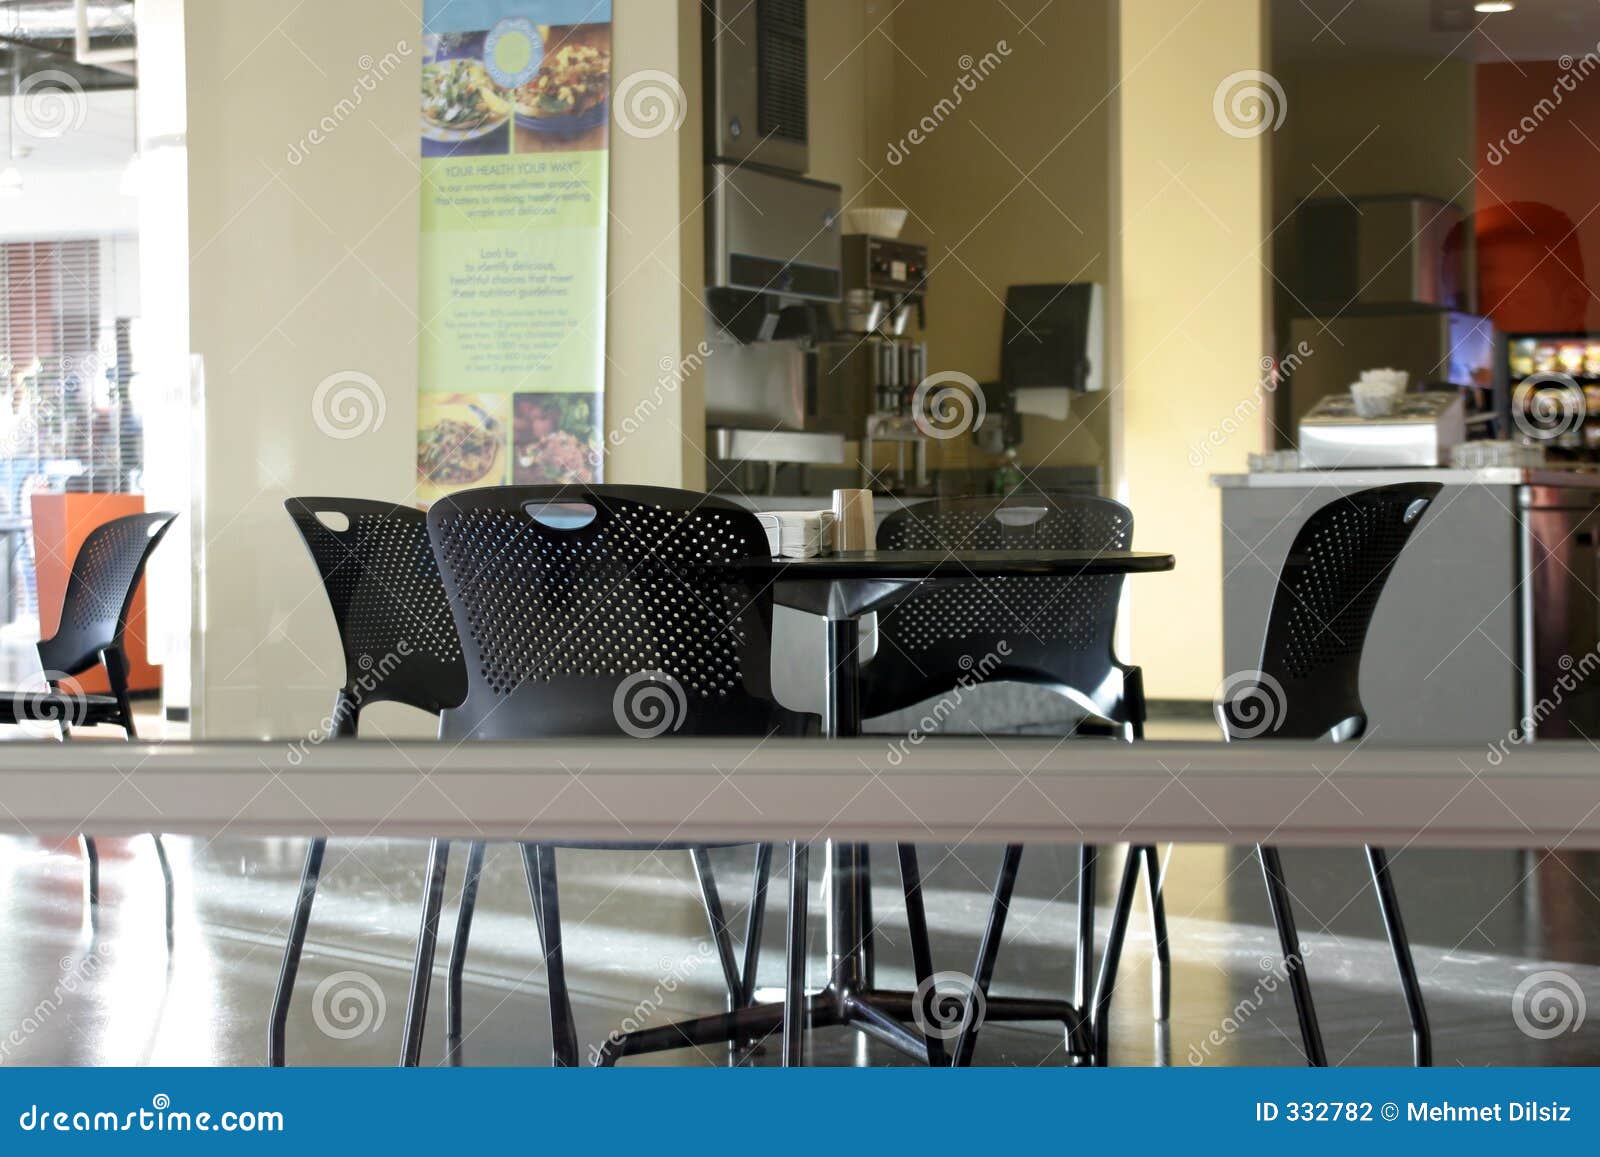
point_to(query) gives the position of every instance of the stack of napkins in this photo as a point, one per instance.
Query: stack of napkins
(798, 533)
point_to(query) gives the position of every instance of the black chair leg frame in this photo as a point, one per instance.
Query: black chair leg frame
(1294, 961)
(117, 672)
(1091, 993)
(978, 1008)
(539, 863)
(342, 724)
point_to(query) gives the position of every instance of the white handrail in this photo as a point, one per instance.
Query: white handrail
(970, 791)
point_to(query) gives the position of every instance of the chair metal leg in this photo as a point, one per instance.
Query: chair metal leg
(1161, 965)
(1083, 979)
(921, 947)
(539, 864)
(458, 952)
(1106, 983)
(1400, 946)
(167, 886)
(91, 856)
(988, 953)
(427, 943)
(711, 900)
(865, 951)
(277, 1026)
(1294, 964)
(794, 985)
(754, 924)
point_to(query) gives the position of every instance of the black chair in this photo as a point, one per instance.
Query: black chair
(94, 620)
(1054, 633)
(400, 646)
(1309, 687)
(607, 611)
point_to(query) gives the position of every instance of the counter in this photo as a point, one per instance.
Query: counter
(1489, 627)
(1353, 479)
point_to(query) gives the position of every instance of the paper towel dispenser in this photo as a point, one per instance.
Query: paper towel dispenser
(1054, 345)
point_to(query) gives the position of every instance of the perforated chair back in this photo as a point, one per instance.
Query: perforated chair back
(1056, 632)
(606, 610)
(1309, 683)
(100, 589)
(382, 582)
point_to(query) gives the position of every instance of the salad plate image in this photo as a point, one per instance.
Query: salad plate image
(570, 92)
(556, 439)
(460, 102)
(461, 442)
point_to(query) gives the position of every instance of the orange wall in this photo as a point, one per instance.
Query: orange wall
(1526, 288)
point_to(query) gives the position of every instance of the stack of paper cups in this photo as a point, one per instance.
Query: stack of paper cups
(854, 525)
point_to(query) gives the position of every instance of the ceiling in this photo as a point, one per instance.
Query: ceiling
(1335, 29)
(41, 34)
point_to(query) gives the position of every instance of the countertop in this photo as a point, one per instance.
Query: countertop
(1487, 476)
(881, 503)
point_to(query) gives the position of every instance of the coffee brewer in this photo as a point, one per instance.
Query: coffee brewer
(875, 350)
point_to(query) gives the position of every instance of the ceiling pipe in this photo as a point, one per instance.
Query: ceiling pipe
(112, 59)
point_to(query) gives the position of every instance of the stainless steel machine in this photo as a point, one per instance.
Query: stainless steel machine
(814, 336)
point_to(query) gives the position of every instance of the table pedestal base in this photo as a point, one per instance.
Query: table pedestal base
(850, 999)
(878, 1014)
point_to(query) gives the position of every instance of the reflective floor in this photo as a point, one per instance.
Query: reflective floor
(637, 951)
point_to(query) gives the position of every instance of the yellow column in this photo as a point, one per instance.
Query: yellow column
(1196, 117)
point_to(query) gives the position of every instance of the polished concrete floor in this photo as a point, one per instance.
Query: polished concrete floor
(637, 953)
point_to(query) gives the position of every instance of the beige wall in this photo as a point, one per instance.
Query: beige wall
(851, 68)
(1013, 187)
(1193, 208)
(1382, 125)
(303, 271)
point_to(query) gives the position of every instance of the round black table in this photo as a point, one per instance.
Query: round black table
(841, 588)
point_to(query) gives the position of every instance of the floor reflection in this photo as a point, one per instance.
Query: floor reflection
(1484, 924)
